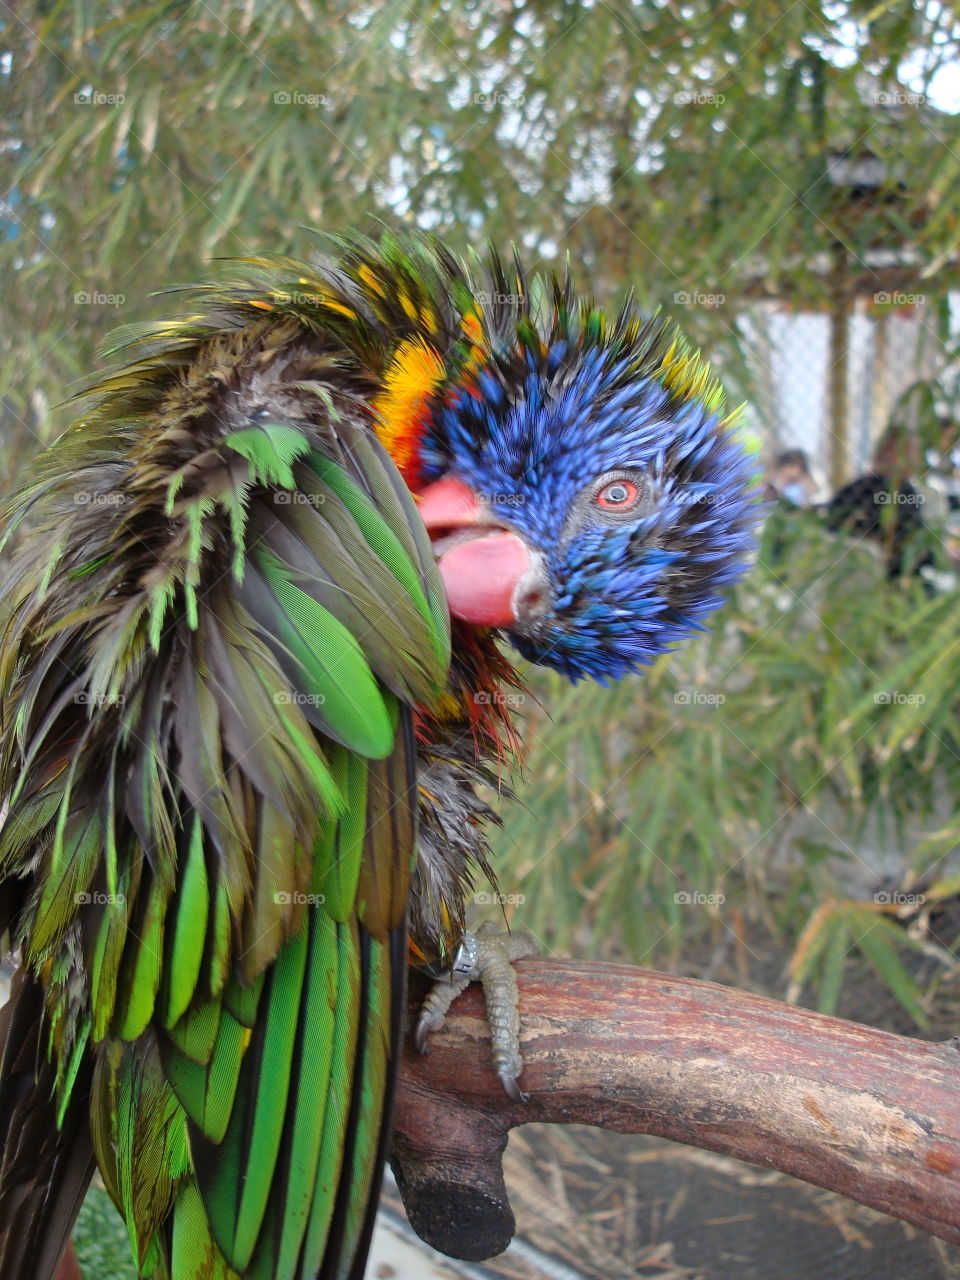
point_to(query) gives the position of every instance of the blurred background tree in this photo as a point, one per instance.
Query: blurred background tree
(751, 169)
(696, 149)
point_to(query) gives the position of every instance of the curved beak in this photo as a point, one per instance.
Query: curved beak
(492, 576)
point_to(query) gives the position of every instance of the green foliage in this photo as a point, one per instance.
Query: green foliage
(798, 753)
(100, 1237)
(676, 148)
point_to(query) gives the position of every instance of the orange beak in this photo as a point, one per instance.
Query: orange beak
(490, 573)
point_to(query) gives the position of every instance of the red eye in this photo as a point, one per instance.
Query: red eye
(618, 495)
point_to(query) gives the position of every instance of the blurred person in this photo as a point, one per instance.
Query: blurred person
(789, 479)
(942, 477)
(947, 577)
(884, 504)
(790, 492)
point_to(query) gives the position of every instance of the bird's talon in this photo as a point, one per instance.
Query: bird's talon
(511, 1088)
(488, 957)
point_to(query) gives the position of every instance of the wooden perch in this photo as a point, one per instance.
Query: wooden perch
(871, 1115)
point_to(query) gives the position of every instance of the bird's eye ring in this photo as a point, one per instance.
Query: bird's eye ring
(618, 495)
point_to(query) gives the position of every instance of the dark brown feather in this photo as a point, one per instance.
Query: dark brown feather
(44, 1170)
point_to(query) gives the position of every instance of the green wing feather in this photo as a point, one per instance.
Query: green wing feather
(210, 664)
(187, 929)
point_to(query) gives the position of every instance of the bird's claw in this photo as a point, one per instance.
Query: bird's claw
(489, 957)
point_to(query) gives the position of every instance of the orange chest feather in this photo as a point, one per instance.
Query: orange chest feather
(402, 406)
(415, 374)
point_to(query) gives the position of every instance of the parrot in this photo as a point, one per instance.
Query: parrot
(259, 624)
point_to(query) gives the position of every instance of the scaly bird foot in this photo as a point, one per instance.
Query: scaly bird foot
(488, 956)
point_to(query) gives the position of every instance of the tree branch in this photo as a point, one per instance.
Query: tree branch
(871, 1115)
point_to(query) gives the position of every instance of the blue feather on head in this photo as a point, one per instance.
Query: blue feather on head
(602, 450)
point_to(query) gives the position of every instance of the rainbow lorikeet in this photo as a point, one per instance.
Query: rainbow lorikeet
(243, 749)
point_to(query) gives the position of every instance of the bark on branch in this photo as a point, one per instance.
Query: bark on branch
(871, 1115)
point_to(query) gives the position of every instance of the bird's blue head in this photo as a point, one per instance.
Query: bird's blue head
(584, 493)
